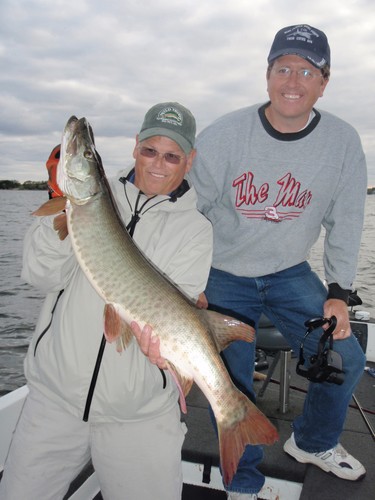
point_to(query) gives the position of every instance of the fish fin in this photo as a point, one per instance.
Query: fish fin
(119, 345)
(254, 428)
(226, 329)
(116, 329)
(183, 383)
(60, 225)
(126, 334)
(259, 376)
(51, 207)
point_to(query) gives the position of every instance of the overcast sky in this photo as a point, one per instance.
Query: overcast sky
(110, 60)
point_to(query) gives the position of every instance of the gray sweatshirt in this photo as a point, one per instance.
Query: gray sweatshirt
(268, 194)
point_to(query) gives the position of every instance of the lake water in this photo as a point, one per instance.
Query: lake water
(20, 303)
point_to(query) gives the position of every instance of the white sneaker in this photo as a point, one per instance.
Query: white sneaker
(336, 460)
(241, 496)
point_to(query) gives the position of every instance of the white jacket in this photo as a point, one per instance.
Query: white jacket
(60, 362)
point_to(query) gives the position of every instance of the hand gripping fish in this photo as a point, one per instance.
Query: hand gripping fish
(134, 290)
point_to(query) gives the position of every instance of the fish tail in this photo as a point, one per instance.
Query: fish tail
(254, 428)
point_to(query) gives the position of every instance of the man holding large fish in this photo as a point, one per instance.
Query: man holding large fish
(93, 399)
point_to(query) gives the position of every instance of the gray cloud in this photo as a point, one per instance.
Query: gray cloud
(111, 60)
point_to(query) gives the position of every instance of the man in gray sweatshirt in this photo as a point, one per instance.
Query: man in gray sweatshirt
(269, 177)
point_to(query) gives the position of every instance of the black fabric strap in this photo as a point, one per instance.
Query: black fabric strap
(94, 379)
(336, 292)
(49, 324)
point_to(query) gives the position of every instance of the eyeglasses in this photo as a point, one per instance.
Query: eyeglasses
(284, 72)
(152, 153)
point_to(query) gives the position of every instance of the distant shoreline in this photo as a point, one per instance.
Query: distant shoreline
(24, 186)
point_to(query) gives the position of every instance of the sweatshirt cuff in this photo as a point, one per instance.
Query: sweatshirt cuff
(336, 292)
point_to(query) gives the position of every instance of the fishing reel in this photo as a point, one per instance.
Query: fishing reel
(326, 365)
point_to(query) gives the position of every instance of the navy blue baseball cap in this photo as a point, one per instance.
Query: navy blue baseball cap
(304, 41)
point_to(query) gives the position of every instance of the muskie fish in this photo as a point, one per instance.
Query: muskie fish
(134, 290)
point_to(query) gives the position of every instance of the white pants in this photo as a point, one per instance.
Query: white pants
(133, 461)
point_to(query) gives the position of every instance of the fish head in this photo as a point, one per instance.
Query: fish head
(80, 170)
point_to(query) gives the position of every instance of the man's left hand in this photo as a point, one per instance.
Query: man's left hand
(339, 309)
(149, 344)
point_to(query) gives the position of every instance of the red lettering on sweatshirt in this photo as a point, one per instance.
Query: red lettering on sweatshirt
(290, 194)
(246, 191)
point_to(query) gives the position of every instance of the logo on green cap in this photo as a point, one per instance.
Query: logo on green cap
(170, 115)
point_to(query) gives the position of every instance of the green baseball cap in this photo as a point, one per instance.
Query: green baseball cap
(170, 119)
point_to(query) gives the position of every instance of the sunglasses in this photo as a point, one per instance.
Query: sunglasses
(152, 153)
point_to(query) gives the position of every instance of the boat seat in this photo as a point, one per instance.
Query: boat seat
(271, 341)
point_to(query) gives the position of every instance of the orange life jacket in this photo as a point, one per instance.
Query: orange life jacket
(51, 164)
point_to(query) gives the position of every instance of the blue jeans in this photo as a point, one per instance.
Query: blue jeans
(288, 298)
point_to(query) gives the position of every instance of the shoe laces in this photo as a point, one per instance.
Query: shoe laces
(338, 454)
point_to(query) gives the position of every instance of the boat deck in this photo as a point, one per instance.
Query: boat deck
(286, 479)
(201, 442)
(201, 447)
